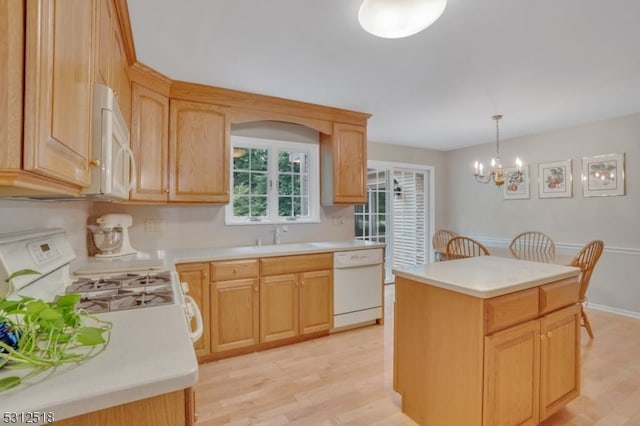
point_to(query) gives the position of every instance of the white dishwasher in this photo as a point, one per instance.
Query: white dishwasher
(357, 287)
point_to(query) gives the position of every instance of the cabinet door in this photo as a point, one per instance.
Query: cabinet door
(150, 144)
(278, 307)
(316, 301)
(196, 275)
(58, 89)
(235, 312)
(512, 374)
(559, 360)
(198, 153)
(104, 42)
(344, 165)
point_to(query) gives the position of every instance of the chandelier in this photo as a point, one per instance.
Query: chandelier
(497, 173)
(398, 18)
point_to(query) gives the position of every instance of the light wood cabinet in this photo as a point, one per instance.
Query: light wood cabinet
(343, 165)
(170, 409)
(58, 89)
(198, 152)
(516, 356)
(235, 304)
(150, 144)
(296, 296)
(196, 275)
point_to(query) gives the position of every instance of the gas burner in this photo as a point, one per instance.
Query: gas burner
(121, 292)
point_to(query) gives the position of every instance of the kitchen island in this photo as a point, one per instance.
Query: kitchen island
(486, 340)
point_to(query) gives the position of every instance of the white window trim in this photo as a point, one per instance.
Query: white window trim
(313, 152)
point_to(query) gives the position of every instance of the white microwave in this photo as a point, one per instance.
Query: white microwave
(113, 172)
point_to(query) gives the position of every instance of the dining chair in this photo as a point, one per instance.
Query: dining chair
(440, 239)
(460, 247)
(532, 245)
(586, 260)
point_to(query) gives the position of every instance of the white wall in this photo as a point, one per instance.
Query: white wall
(18, 215)
(479, 210)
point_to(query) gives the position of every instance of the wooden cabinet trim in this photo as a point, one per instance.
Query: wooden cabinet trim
(234, 269)
(559, 294)
(295, 263)
(510, 309)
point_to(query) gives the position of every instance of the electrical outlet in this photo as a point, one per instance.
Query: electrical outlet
(153, 225)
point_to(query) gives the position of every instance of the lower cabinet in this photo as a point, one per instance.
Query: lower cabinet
(532, 370)
(248, 304)
(169, 409)
(295, 304)
(196, 276)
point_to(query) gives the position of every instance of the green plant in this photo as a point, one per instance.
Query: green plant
(39, 336)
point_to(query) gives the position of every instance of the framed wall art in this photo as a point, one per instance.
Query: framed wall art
(516, 186)
(555, 180)
(603, 175)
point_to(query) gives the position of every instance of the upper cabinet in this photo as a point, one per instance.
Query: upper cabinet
(198, 152)
(343, 164)
(150, 144)
(58, 89)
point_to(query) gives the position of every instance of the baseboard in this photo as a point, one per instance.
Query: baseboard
(612, 310)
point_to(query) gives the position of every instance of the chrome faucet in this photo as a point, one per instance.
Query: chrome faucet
(277, 233)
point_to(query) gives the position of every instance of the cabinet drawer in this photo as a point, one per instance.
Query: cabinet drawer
(234, 269)
(296, 263)
(511, 309)
(559, 294)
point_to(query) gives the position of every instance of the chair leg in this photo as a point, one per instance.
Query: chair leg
(585, 322)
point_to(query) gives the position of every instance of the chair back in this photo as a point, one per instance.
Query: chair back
(460, 247)
(440, 239)
(532, 245)
(586, 260)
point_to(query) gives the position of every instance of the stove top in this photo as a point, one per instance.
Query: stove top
(126, 291)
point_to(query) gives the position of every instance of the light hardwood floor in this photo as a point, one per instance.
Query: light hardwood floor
(345, 379)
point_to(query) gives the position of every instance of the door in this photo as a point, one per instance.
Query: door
(559, 360)
(399, 213)
(316, 301)
(235, 311)
(278, 307)
(512, 376)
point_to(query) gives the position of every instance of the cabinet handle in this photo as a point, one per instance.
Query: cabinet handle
(301, 283)
(94, 163)
(235, 270)
(255, 289)
(166, 190)
(549, 334)
(297, 284)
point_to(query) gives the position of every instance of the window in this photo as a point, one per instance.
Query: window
(273, 181)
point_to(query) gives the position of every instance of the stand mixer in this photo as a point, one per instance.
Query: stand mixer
(111, 235)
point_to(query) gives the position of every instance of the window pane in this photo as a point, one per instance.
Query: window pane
(241, 206)
(241, 158)
(259, 206)
(259, 159)
(259, 184)
(284, 185)
(241, 183)
(285, 206)
(284, 164)
(296, 185)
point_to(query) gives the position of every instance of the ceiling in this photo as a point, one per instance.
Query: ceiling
(543, 64)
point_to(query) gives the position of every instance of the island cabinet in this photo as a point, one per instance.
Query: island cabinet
(196, 276)
(343, 164)
(235, 301)
(296, 296)
(170, 409)
(475, 358)
(199, 156)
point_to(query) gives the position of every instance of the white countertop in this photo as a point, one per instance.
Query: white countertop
(150, 353)
(486, 276)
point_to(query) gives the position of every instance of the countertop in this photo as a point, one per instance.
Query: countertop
(486, 276)
(150, 353)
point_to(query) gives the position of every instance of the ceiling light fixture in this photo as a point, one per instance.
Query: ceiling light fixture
(398, 18)
(497, 173)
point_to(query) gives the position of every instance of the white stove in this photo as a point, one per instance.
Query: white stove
(108, 287)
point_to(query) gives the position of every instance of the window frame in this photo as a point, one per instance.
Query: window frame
(274, 146)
